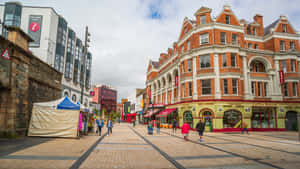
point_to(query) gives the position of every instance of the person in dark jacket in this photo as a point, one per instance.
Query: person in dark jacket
(200, 128)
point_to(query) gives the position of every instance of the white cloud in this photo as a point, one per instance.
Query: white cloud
(124, 38)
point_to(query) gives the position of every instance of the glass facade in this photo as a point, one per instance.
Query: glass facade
(70, 54)
(78, 55)
(12, 15)
(60, 44)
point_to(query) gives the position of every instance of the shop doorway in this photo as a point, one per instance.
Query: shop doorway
(207, 117)
(188, 118)
(232, 119)
(263, 118)
(291, 121)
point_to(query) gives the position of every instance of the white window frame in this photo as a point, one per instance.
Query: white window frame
(285, 89)
(292, 46)
(259, 87)
(205, 62)
(183, 89)
(190, 88)
(284, 28)
(188, 45)
(254, 31)
(221, 37)
(225, 87)
(224, 56)
(202, 88)
(233, 54)
(295, 89)
(234, 40)
(253, 88)
(189, 65)
(204, 38)
(283, 66)
(237, 86)
(203, 19)
(282, 45)
(227, 16)
(293, 65)
(266, 89)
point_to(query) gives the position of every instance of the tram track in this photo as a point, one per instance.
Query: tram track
(231, 153)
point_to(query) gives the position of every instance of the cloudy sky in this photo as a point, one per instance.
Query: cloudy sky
(127, 33)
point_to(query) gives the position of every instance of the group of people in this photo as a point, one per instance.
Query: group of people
(100, 124)
(186, 128)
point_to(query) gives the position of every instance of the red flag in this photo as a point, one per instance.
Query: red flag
(281, 76)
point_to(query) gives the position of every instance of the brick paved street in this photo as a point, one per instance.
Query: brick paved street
(131, 147)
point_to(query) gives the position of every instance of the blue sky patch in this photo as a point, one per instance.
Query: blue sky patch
(155, 11)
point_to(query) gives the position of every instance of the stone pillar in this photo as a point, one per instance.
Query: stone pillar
(276, 83)
(161, 93)
(246, 78)
(179, 84)
(166, 95)
(217, 77)
(172, 89)
(195, 91)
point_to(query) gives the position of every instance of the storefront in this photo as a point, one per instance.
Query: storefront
(131, 117)
(221, 116)
(166, 117)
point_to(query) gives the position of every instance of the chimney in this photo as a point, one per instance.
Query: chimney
(18, 37)
(259, 19)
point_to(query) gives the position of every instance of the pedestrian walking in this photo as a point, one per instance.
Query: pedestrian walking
(158, 126)
(185, 130)
(133, 123)
(244, 125)
(109, 126)
(150, 128)
(100, 124)
(174, 125)
(200, 128)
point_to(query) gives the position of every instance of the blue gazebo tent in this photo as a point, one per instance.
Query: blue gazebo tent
(67, 104)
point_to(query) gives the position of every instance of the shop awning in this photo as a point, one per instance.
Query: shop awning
(166, 112)
(151, 113)
(132, 114)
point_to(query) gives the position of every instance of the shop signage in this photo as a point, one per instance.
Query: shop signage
(92, 93)
(176, 81)
(281, 76)
(34, 29)
(5, 66)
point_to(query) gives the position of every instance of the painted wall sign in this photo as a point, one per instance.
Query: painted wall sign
(5, 66)
(35, 29)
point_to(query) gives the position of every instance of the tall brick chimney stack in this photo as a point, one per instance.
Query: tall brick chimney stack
(259, 19)
(19, 37)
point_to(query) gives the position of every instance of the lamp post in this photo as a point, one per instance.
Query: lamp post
(86, 45)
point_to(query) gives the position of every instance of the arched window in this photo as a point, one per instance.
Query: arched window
(66, 94)
(232, 119)
(257, 66)
(74, 98)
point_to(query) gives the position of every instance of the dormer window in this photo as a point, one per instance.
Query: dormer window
(283, 28)
(227, 19)
(203, 19)
(254, 31)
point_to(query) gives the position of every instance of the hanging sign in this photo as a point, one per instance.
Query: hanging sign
(281, 76)
(176, 81)
(5, 54)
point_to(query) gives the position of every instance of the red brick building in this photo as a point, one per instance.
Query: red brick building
(106, 96)
(229, 72)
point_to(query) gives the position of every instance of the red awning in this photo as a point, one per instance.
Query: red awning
(166, 112)
(132, 114)
(151, 113)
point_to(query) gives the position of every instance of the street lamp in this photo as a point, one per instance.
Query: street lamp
(86, 45)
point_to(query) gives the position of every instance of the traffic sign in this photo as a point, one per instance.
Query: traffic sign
(5, 54)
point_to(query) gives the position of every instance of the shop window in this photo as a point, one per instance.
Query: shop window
(204, 38)
(224, 60)
(205, 61)
(190, 89)
(282, 46)
(223, 37)
(295, 89)
(227, 18)
(232, 119)
(188, 118)
(225, 86)
(293, 65)
(207, 116)
(263, 117)
(233, 59)
(203, 19)
(292, 45)
(206, 87)
(234, 38)
(234, 86)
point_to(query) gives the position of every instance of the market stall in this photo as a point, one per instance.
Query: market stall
(58, 118)
(166, 117)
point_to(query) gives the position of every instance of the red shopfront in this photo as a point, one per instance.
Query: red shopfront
(264, 119)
